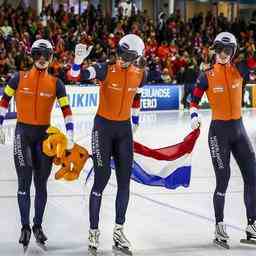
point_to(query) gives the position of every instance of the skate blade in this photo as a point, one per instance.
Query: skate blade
(221, 244)
(248, 241)
(25, 249)
(93, 251)
(42, 246)
(121, 251)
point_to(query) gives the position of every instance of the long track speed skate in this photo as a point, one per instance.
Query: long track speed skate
(221, 236)
(121, 243)
(250, 235)
(40, 237)
(25, 238)
(93, 242)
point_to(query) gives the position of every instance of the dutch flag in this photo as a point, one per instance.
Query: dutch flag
(168, 167)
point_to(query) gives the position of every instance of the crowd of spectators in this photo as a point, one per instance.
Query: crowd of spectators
(175, 50)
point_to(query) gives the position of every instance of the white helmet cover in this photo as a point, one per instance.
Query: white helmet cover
(226, 39)
(42, 43)
(130, 47)
(44, 48)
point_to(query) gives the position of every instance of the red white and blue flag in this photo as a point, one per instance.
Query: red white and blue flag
(168, 167)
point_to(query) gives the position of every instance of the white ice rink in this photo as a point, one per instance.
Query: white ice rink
(159, 221)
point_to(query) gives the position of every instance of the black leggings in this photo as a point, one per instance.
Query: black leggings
(111, 138)
(29, 159)
(227, 137)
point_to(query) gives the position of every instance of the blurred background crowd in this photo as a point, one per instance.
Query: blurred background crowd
(175, 50)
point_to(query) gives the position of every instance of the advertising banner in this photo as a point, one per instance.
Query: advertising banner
(86, 99)
(160, 97)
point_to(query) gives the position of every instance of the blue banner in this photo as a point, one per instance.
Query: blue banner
(160, 97)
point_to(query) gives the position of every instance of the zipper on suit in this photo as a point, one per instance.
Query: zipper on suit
(36, 96)
(123, 93)
(229, 93)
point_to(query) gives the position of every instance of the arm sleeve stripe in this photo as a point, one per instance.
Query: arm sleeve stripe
(135, 119)
(198, 92)
(63, 101)
(68, 119)
(69, 126)
(92, 72)
(136, 103)
(193, 105)
(136, 100)
(9, 91)
(3, 111)
(4, 103)
(66, 111)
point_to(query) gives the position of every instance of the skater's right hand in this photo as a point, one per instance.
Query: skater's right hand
(82, 51)
(2, 135)
(195, 119)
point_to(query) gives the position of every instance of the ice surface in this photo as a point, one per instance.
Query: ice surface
(159, 221)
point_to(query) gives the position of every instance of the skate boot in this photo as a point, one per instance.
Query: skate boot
(121, 243)
(250, 234)
(221, 236)
(39, 236)
(93, 240)
(25, 237)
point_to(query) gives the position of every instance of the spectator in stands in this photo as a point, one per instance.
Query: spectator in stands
(165, 77)
(65, 29)
(6, 30)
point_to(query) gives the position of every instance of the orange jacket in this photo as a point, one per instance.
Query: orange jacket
(118, 90)
(224, 91)
(35, 97)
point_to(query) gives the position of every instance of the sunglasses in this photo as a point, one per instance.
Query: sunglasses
(37, 53)
(227, 49)
(127, 55)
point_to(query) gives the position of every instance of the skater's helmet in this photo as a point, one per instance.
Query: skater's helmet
(130, 48)
(42, 48)
(226, 42)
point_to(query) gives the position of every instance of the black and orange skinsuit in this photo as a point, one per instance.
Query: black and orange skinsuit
(112, 133)
(223, 85)
(35, 92)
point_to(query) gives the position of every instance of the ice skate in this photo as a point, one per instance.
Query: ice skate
(250, 234)
(121, 243)
(25, 237)
(221, 236)
(93, 241)
(39, 236)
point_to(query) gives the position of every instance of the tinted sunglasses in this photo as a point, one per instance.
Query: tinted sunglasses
(127, 55)
(227, 49)
(37, 53)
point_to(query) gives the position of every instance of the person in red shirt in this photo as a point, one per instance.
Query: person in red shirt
(223, 84)
(112, 132)
(35, 92)
(163, 51)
